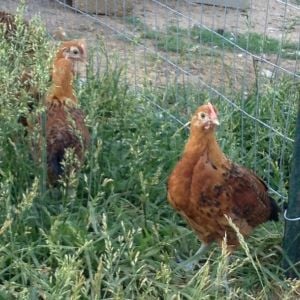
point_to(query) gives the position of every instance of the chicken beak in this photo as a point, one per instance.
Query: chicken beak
(215, 121)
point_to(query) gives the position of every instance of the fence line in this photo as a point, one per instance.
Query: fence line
(232, 103)
(158, 7)
(259, 58)
(288, 4)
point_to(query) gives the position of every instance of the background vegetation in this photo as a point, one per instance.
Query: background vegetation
(109, 232)
(184, 41)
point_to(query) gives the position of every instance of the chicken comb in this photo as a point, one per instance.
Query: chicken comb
(213, 113)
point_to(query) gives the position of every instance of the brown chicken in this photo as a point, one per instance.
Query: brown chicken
(205, 187)
(65, 124)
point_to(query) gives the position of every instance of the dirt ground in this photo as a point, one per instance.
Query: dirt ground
(145, 62)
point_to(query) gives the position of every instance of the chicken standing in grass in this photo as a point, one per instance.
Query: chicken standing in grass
(205, 187)
(65, 124)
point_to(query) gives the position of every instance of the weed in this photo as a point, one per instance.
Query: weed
(115, 236)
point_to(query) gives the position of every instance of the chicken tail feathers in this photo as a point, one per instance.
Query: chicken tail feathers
(55, 168)
(274, 210)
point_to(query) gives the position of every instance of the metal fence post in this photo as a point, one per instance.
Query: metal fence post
(291, 240)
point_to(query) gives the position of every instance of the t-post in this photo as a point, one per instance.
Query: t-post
(291, 240)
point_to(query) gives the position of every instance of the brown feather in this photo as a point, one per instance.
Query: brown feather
(65, 129)
(65, 124)
(205, 187)
(76, 52)
(77, 64)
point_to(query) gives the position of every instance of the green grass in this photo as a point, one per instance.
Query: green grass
(177, 39)
(115, 236)
(253, 42)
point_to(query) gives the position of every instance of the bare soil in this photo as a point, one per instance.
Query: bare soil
(144, 62)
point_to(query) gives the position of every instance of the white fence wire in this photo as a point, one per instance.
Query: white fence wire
(227, 52)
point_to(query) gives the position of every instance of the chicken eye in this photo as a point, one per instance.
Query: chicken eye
(202, 115)
(75, 51)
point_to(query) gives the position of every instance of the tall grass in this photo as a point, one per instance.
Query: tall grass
(116, 237)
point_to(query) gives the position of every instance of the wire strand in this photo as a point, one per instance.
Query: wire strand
(212, 89)
(290, 219)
